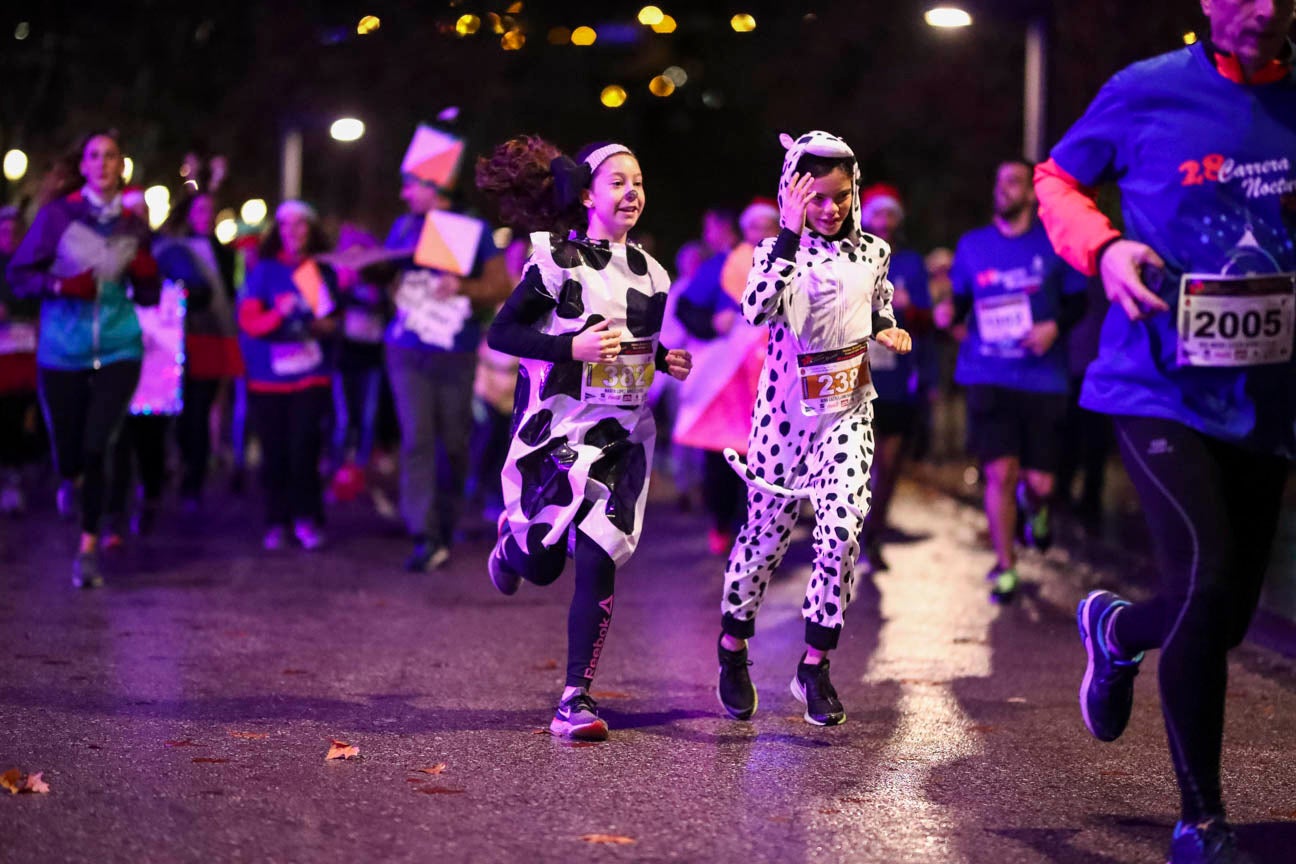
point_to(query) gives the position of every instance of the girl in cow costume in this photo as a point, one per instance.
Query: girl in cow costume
(821, 286)
(585, 321)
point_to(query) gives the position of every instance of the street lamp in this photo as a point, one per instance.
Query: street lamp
(1033, 72)
(15, 165)
(347, 129)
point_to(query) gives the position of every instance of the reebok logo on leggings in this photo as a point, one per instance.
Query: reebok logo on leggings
(606, 606)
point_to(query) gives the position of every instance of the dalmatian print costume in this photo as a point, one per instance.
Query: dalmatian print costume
(827, 295)
(566, 450)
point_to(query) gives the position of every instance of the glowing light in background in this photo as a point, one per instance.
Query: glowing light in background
(1190, 38)
(650, 16)
(467, 25)
(742, 23)
(515, 9)
(613, 96)
(513, 40)
(254, 211)
(583, 36)
(347, 129)
(661, 86)
(559, 36)
(22, 31)
(677, 76)
(665, 25)
(128, 169)
(947, 16)
(158, 201)
(368, 24)
(15, 165)
(226, 231)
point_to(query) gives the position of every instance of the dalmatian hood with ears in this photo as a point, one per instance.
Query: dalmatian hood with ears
(819, 143)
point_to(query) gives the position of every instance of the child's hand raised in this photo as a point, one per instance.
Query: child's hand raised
(679, 363)
(792, 212)
(596, 344)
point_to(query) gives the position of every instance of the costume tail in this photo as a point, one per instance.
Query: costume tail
(744, 471)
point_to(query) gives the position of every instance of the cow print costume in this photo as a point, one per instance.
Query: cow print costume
(815, 294)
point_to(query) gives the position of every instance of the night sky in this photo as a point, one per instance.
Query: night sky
(932, 111)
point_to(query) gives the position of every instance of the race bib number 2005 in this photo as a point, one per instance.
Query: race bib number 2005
(1236, 320)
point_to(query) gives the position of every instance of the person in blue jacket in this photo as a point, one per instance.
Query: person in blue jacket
(1194, 363)
(88, 260)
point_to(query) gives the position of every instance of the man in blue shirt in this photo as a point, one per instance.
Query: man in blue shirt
(1017, 296)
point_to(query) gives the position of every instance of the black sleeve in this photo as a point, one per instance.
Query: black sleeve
(513, 330)
(660, 362)
(697, 319)
(962, 306)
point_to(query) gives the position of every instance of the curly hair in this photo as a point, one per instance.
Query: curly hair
(516, 177)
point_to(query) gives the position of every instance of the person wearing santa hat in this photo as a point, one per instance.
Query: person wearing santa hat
(903, 381)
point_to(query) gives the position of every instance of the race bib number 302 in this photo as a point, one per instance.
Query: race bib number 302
(623, 381)
(834, 380)
(1236, 320)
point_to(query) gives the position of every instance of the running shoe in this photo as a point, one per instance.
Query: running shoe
(1209, 842)
(873, 557)
(736, 691)
(502, 576)
(85, 571)
(578, 718)
(1034, 527)
(427, 556)
(275, 538)
(813, 689)
(1107, 691)
(308, 534)
(1004, 582)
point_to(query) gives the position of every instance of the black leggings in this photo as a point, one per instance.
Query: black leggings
(84, 409)
(15, 442)
(144, 438)
(291, 429)
(1212, 509)
(590, 614)
(724, 493)
(193, 433)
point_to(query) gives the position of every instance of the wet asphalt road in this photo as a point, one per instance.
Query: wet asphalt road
(183, 714)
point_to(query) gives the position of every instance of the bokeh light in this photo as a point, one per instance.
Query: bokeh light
(613, 96)
(742, 23)
(583, 36)
(661, 86)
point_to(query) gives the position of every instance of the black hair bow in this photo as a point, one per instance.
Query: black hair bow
(569, 179)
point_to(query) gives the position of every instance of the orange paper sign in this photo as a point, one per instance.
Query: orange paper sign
(449, 242)
(434, 156)
(310, 282)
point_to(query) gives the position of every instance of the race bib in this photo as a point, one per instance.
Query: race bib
(17, 337)
(362, 325)
(1003, 321)
(883, 359)
(295, 358)
(1236, 320)
(623, 381)
(837, 380)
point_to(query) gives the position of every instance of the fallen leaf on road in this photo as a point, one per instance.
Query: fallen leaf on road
(547, 665)
(609, 694)
(207, 760)
(984, 728)
(539, 731)
(828, 811)
(15, 782)
(35, 784)
(295, 672)
(183, 742)
(250, 736)
(438, 768)
(11, 780)
(342, 750)
(439, 790)
(413, 779)
(614, 839)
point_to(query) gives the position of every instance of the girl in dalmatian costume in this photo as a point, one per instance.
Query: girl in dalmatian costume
(821, 286)
(585, 321)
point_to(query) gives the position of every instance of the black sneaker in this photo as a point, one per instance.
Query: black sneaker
(427, 556)
(1107, 690)
(85, 571)
(1210, 842)
(502, 576)
(813, 689)
(1004, 582)
(736, 691)
(873, 554)
(578, 718)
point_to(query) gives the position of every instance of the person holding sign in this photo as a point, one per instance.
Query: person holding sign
(286, 311)
(821, 286)
(1016, 297)
(450, 280)
(88, 260)
(585, 321)
(1195, 364)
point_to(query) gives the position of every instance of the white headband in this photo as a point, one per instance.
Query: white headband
(602, 154)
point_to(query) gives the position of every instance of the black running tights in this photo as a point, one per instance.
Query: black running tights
(1212, 509)
(591, 606)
